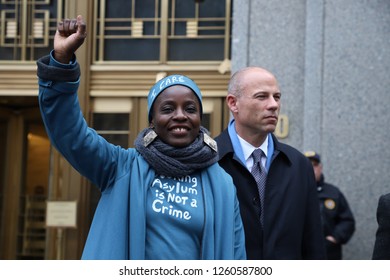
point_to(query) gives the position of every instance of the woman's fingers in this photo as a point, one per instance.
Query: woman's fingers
(67, 27)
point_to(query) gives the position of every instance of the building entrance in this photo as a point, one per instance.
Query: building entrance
(24, 162)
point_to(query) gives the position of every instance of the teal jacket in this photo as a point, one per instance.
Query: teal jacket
(122, 175)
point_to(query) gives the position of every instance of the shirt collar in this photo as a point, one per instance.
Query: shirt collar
(248, 148)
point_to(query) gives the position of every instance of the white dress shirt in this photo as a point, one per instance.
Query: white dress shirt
(248, 150)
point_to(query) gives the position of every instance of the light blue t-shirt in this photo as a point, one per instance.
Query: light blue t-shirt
(174, 218)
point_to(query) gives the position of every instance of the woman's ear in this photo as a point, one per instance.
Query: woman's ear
(151, 125)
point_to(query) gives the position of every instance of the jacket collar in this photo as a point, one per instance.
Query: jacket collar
(225, 148)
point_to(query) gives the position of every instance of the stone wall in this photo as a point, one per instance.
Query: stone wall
(332, 61)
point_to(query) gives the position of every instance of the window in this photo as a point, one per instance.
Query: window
(111, 119)
(27, 28)
(162, 31)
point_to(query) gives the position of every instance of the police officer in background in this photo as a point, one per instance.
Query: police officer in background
(337, 218)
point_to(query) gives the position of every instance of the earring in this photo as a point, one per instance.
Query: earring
(210, 142)
(149, 138)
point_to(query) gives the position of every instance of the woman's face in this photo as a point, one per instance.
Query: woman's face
(176, 116)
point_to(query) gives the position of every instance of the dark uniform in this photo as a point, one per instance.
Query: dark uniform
(337, 218)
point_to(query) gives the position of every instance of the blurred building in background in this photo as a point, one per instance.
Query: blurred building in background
(331, 58)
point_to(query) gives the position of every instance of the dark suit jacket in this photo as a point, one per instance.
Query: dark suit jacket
(292, 225)
(382, 240)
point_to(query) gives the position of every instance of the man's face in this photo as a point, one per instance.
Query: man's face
(317, 166)
(256, 110)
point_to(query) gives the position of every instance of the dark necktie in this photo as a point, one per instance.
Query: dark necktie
(260, 174)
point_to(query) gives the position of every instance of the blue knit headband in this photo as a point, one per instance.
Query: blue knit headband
(169, 81)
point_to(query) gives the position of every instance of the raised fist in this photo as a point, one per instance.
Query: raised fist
(70, 35)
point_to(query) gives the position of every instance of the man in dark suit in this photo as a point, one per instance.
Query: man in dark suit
(290, 227)
(382, 240)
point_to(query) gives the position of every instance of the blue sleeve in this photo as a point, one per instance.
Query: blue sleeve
(89, 153)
